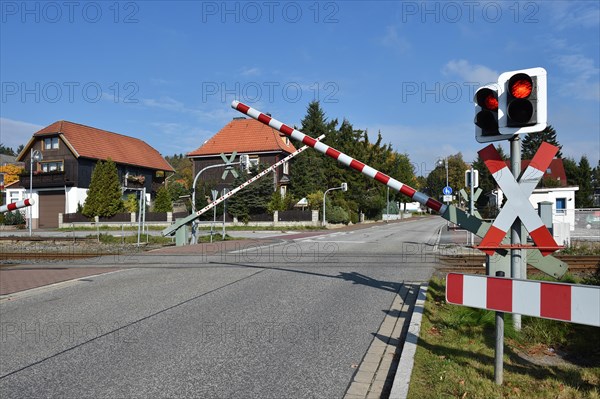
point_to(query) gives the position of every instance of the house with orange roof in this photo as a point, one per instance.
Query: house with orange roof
(70, 152)
(263, 144)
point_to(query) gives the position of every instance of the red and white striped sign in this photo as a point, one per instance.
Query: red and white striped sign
(517, 194)
(341, 157)
(574, 303)
(16, 205)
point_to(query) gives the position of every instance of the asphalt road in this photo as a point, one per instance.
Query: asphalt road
(283, 319)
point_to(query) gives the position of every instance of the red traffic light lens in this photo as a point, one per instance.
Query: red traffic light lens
(487, 99)
(520, 85)
(491, 102)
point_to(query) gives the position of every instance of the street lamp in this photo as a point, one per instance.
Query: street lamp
(444, 162)
(36, 156)
(343, 187)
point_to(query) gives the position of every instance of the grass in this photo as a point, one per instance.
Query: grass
(455, 355)
(582, 248)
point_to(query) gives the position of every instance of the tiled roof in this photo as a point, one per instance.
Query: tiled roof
(90, 142)
(555, 171)
(244, 136)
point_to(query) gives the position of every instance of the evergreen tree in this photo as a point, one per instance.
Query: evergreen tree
(6, 150)
(131, 204)
(571, 171)
(254, 199)
(596, 176)
(584, 196)
(308, 171)
(162, 203)
(532, 142)
(104, 194)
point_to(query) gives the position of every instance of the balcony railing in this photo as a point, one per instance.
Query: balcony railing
(55, 178)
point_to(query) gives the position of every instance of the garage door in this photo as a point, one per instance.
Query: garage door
(51, 204)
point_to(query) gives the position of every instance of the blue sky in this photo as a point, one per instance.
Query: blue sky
(166, 72)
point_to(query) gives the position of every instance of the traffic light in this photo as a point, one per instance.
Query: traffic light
(486, 114)
(523, 101)
(245, 162)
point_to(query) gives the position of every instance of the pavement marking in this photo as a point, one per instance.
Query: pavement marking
(49, 287)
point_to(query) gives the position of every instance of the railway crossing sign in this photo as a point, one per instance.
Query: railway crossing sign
(517, 204)
(229, 168)
(574, 303)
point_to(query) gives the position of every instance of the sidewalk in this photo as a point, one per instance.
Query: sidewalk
(19, 278)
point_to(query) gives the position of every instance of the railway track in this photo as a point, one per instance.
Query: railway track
(475, 263)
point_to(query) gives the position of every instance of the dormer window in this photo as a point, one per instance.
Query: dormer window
(51, 143)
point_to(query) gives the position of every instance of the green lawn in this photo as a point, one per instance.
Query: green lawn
(547, 359)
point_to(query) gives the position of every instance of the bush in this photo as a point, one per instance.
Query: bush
(337, 214)
(14, 218)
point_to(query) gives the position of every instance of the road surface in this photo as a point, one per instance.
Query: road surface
(279, 318)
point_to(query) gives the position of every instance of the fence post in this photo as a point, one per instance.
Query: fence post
(315, 217)
(275, 217)
(60, 220)
(132, 220)
(169, 217)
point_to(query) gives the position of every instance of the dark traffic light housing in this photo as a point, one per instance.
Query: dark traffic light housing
(486, 114)
(522, 101)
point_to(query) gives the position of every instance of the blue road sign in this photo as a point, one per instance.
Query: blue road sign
(447, 190)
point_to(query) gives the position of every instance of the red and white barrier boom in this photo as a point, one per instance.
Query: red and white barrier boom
(341, 157)
(574, 303)
(547, 264)
(171, 229)
(16, 205)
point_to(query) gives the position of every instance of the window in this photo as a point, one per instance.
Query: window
(561, 205)
(286, 168)
(253, 162)
(52, 167)
(283, 191)
(51, 143)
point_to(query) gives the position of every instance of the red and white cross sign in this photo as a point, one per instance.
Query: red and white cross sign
(574, 303)
(517, 204)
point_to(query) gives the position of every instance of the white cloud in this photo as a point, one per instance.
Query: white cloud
(250, 71)
(14, 133)
(426, 144)
(573, 14)
(479, 74)
(394, 41)
(582, 77)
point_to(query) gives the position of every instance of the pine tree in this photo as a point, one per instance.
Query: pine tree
(532, 142)
(584, 196)
(162, 203)
(104, 194)
(571, 171)
(308, 168)
(254, 199)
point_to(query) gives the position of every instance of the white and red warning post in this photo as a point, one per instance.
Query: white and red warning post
(573, 303)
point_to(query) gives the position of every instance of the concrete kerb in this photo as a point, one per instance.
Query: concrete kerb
(405, 365)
